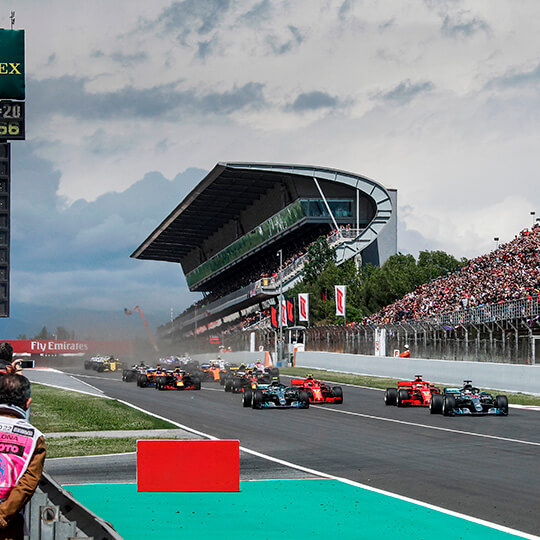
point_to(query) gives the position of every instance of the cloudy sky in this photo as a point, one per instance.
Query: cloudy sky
(130, 102)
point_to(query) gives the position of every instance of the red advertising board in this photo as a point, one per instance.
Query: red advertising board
(158, 469)
(50, 346)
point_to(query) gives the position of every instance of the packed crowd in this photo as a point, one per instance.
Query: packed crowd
(512, 271)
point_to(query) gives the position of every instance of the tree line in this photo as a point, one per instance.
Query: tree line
(369, 288)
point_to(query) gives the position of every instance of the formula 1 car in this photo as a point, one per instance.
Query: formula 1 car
(146, 377)
(103, 363)
(177, 380)
(417, 393)
(276, 395)
(210, 372)
(468, 400)
(318, 391)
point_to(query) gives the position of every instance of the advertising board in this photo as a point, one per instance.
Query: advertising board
(12, 64)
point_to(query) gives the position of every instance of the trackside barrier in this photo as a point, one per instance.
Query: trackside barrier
(53, 514)
(507, 377)
(158, 466)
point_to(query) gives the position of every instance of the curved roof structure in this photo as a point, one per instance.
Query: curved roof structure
(232, 187)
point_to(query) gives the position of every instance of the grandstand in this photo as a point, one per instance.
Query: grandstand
(226, 233)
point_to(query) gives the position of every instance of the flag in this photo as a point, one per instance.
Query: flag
(273, 317)
(284, 312)
(290, 312)
(303, 307)
(341, 293)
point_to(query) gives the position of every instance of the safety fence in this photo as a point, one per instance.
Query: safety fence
(507, 332)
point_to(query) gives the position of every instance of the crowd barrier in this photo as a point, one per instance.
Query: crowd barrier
(53, 514)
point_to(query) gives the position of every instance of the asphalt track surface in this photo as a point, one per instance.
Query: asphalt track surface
(485, 467)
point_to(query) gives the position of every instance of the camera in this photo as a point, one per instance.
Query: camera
(28, 364)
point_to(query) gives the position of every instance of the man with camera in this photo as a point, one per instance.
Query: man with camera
(22, 447)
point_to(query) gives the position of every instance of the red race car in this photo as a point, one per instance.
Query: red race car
(415, 393)
(318, 391)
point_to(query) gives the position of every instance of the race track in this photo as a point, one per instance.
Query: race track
(485, 467)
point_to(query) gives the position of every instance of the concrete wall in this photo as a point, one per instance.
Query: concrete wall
(507, 377)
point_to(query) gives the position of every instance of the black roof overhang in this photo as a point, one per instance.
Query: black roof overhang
(220, 196)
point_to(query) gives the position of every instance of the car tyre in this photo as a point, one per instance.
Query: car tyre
(338, 394)
(402, 396)
(501, 402)
(257, 399)
(247, 398)
(448, 406)
(304, 399)
(228, 385)
(436, 404)
(390, 396)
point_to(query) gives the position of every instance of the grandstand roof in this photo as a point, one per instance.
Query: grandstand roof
(225, 192)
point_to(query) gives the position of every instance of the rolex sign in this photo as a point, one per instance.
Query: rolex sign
(11, 64)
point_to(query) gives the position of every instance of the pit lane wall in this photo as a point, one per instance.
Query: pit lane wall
(504, 377)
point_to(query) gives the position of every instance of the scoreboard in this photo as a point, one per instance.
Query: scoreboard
(12, 120)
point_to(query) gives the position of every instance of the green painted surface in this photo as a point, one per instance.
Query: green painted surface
(271, 510)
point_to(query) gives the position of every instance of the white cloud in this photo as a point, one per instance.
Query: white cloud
(460, 145)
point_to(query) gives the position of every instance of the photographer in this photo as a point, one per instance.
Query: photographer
(7, 365)
(21, 455)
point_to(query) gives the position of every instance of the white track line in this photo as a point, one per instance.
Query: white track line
(90, 376)
(73, 390)
(93, 456)
(347, 481)
(472, 434)
(525, 407)
(352, 482)
(87, 384)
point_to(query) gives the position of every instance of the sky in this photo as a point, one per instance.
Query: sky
(130, 103)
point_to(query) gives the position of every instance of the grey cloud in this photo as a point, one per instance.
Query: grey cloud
(258, 13)
(51, 59)
(97, 54)
(345, 9)
(288, 45)
(129, 59)
(199, 16)
(516, 79)
(161, 101)
(387, 24)
(310, 101)
(459, 27)
(205, 48)
(405, 91)
(49, 237)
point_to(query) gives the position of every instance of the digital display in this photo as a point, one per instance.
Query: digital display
(12, 120)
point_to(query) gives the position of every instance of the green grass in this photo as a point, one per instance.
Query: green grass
(55, 410)
(89, 446)
(383, 382)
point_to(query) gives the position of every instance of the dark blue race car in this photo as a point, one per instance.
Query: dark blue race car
(276, 395)
(468, 400)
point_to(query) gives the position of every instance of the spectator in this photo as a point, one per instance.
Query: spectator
(21, 461)
(512, 271)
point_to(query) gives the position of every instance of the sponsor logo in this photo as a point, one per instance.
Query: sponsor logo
(10, 448)
(27, 432)
(10, 68)
(58, 346)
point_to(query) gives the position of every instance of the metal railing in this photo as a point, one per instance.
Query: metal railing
(522, 308)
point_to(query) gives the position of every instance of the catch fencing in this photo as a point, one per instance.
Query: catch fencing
(507, 332)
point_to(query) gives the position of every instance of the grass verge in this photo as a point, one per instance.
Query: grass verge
(61, 410)
(384, 382)
(89, 446)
